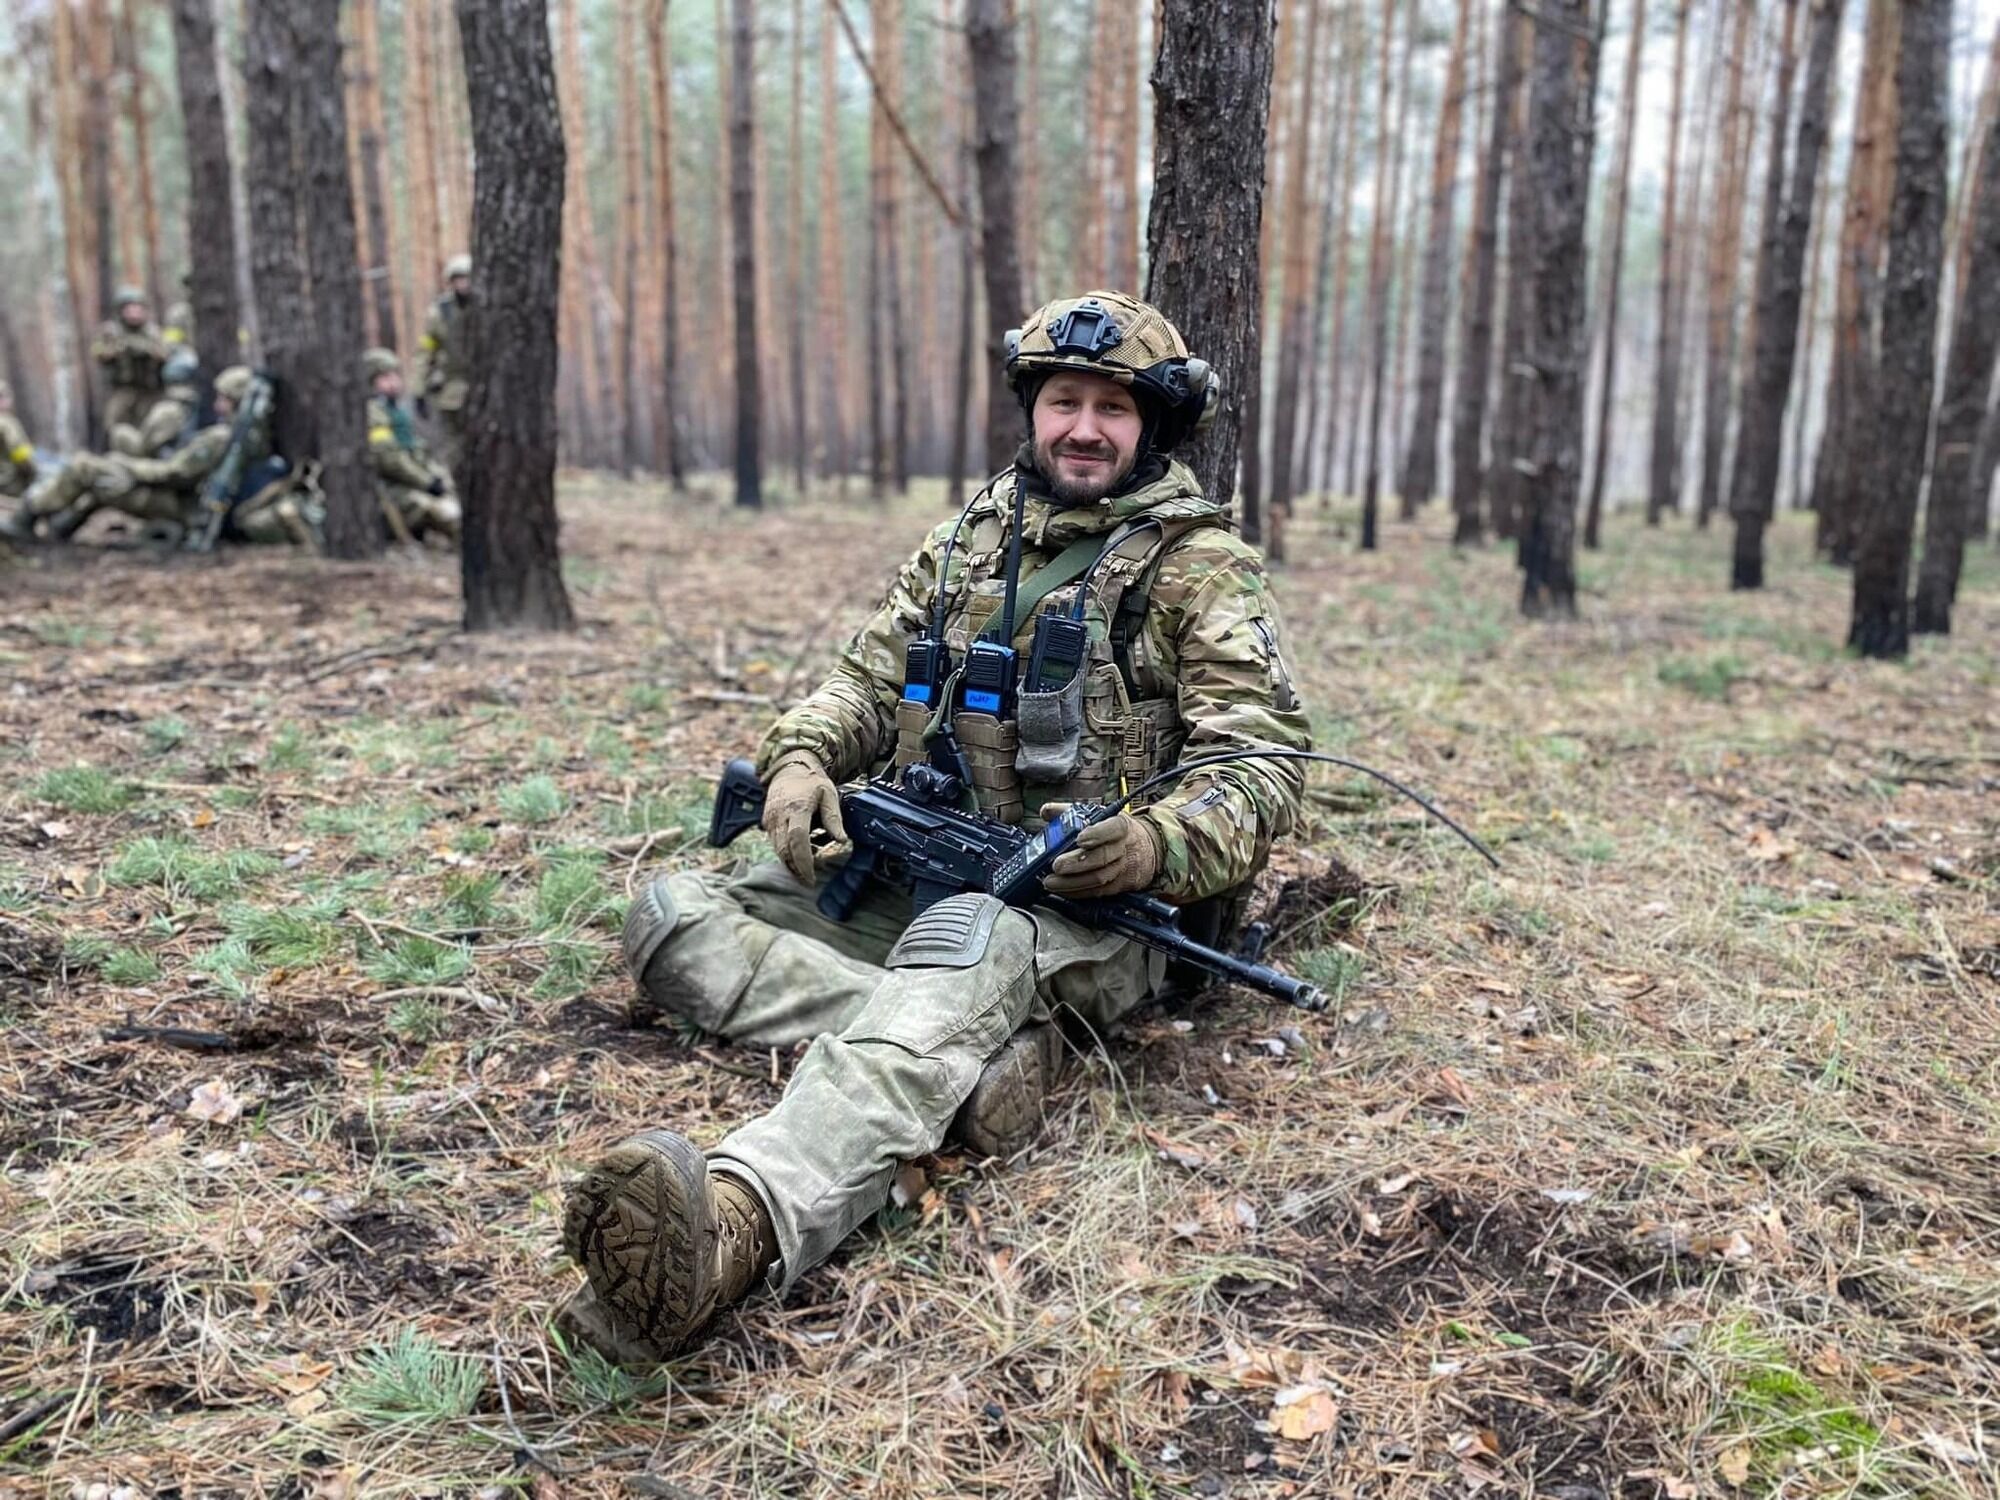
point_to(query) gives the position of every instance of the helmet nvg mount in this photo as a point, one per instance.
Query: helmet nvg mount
(1126, 340)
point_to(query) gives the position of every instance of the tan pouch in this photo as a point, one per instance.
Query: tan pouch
(990, 748)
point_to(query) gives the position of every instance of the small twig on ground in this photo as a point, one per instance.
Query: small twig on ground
(173, 1036)
(33, 1413)
(82, 1390)
(487, 1003)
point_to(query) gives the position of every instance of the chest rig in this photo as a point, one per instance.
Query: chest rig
(1074, 703)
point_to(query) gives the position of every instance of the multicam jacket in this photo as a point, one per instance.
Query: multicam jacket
(17, 456)
(441, 372)
(130, 357)
(1195, 665)
(394, 451)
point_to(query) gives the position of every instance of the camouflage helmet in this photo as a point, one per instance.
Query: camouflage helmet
(181, 367)
(459, 265)
(380, 362)
(1116, 335)
(126, 295)
(233, 384)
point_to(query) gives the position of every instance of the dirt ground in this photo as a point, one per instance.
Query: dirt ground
(1661, 1163)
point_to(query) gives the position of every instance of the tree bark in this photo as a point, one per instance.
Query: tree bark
(1837, 474)
(1306, 474)
(1880, 625)
(795, 238)
(1211, 94)
(1562, 109)
(420, 148)
(139, 114)
(1378, 279)
(1122, 205)
(1420, 463)
(965, 330)
(1293, 303)
(368, 104)
(743, 226)
(631, 231)
(1725, 254)
(1664, 474)
(1788, 217)
(1614, 270)
(990, 37)
(211, 187)
(834, 450)
(510, 560)
(1968, 375)
(1251, 512)
(1513, 420)
(1475, 357)
(1350, 153)
(671, 451)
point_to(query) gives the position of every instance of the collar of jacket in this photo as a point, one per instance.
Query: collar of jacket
(1169, 493)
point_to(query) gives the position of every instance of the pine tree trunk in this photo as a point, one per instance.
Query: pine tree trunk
(1121, 63)
(1837, 475)
(1251, 487)
(795, 239)
(139, 115)
(211, 186)
(1028, 13)
(743, 226)
(1562, 109)
(1292, 301)
(1725, 254)
(1404, 212)
(990, 38)
(1211, 95)
(833, 296)
(420, 148)
(1905, 364)
(1788, 216)
(966, 334)
(96, 141)
(510, 559)
(631, 231)
(1513, 434)
(367, 81)
(1614, 270)
(1338, 339)
(1319, 369)
(1664, 474)
(1475, 354)
(672, 452)
(889, 62)
(1420, 463)
(1968, 374)
(1378, 280)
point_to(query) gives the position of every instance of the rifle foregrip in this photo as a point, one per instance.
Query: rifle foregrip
(838, 896)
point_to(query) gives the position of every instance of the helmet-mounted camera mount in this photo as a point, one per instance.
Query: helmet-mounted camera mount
(1087, 329)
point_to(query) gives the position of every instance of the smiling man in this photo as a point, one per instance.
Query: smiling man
(943, 1026)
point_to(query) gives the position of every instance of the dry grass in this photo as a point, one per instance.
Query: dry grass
(1662, 1163)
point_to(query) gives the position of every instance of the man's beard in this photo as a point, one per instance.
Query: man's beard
(1080, 491)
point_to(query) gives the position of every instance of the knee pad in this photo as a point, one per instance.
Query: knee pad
(649, 923)
(951, 934)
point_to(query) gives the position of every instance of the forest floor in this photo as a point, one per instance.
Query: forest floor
(1661, 1163)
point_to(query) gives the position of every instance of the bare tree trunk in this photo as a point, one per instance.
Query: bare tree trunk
(1837, 475)
(1122, 206)
(1356, 44)
(832, 263)
(1318, 367)
(667, 418)
(795, 238)
(511, 560)
(1788, 216)
(1293, 304)
(887, 38)
(1378, 278)
(1663, 494)
(1560, 139)
(420, 147)
(1420, 463)
(1028, 13)
(1403, 227)
(1725, 255)
(1614, 270)
(211, 187)
(368, 106)
(959, 87)
(139, 115)
(1967, 378)
(1475, 357)
(1211, 95)
(990, 37)
(1907, 361)
(743, 216)
(1513, 430)
(1251, 512)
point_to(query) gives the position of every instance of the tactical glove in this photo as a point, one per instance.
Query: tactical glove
(800, 794)
(1112, 858)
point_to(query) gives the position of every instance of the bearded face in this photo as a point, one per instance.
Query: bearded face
(1086, 435)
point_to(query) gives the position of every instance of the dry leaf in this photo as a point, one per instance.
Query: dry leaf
(1475, 1442)
(214, 1103)
(1175, 1152)
(306, 1403)
(1303, 1412)
(202, 818)
(909, 1185)
(1391, 1185)
(1734, 1465)
(1244, 1215)
(1766, 847)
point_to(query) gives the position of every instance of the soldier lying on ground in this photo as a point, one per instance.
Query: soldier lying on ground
(415, 493)
(130, 351)
(165, 491)
(943, 1026)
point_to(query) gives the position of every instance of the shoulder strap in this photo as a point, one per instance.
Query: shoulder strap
(1066, 566)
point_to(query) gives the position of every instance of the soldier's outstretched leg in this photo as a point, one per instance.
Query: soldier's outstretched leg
(964, 977)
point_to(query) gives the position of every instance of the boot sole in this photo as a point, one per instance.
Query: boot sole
(642, 1225)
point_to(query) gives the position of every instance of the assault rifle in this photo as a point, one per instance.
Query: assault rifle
(219, 492)
(912, 832)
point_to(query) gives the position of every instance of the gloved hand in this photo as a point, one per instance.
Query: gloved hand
(423, 404)
(437, 485)
(1112, 858)
(799, 794)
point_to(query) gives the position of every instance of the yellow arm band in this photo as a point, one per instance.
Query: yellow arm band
(427, 342)
(378, 435)
(21, 454)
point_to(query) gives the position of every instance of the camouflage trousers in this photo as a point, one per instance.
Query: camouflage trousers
(126, 406)
(93, 481)
(419, 511)
(900, 1022)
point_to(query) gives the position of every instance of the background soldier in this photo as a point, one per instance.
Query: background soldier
(944, 1023)
(17, 454)
(151, 489)
(442, 377)
(415, 493)
(170, 420)
(130, 351)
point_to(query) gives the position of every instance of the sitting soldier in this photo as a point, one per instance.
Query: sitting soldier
(162, 490)
(129, 351)
(415, 492)
(170, 420)
(17, 454)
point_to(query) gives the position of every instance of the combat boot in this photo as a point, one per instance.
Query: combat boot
(1005, 1112)
(664, 1243)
